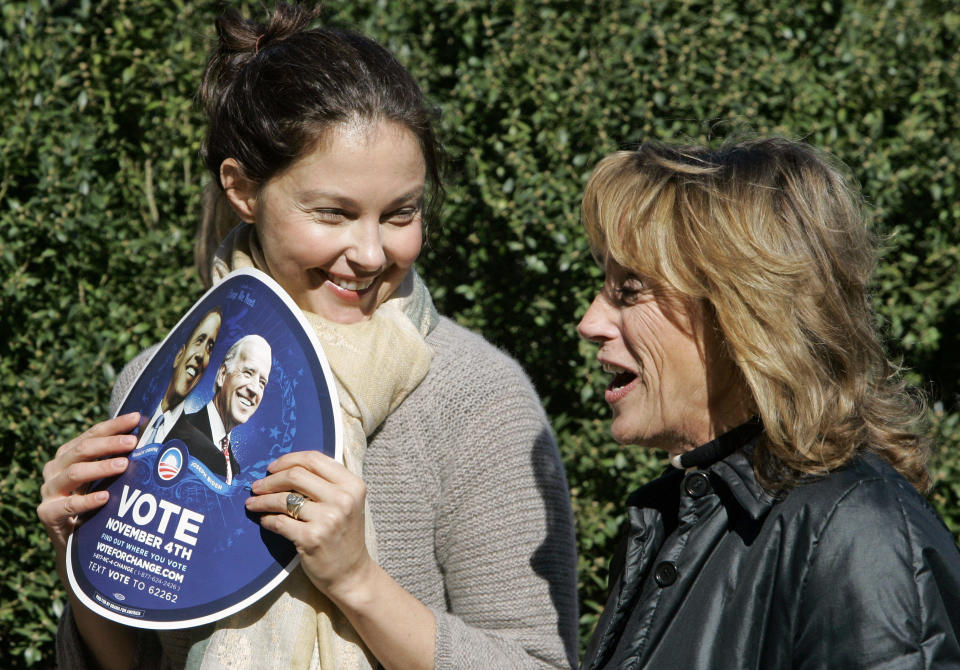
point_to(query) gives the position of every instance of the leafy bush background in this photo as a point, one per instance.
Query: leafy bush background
(100, 188)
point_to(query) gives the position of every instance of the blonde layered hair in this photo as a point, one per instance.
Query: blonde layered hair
(770, 236)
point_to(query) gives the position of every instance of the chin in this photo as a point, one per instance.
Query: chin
(624, 436)
(346, 316)
(640, 436)
(624, 428)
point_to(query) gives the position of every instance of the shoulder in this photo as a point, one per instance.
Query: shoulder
(192, 428)
(866, 539)
(475, 389)
(474, 419)
(199, 419)
(477, 408)
(867, 523)
(128, 375)
(465, 361)
(454, 345)
(866, 491)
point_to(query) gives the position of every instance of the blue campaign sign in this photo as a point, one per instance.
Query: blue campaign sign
(238, 382)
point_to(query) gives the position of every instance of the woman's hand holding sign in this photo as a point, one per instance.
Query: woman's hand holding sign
(95, 454)
(328, 532)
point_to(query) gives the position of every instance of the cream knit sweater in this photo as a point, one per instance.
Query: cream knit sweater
(473, 515)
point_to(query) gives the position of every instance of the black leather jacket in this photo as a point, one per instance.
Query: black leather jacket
(853, 570)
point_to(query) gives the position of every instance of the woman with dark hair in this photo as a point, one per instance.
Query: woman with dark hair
(790, 531)
(455, 549)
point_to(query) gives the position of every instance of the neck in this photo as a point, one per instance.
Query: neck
(724, 417)
(170, 399)
(225, 418)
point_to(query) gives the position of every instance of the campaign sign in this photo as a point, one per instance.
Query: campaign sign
(238, 382)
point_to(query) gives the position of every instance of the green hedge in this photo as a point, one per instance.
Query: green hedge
(101, 181)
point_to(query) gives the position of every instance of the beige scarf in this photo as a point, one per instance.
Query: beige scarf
(377, 363)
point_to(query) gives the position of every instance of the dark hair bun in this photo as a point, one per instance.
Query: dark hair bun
(240, 40)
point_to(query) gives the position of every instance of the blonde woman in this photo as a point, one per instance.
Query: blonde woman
(791, 531)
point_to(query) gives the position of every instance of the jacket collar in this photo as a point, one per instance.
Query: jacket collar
(729, 457)
(736, 471)
(719, 447)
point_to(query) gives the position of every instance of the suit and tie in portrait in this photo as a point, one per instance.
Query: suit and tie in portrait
(189, 364)
(238, 390)
(197, 433)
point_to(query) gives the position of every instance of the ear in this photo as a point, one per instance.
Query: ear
(179, 356)
(241, 191)
(221, 375)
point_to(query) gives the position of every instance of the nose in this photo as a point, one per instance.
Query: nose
(366, 245)
(251, 385)
(597, 324)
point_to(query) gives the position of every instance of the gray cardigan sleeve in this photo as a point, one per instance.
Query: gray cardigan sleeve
(506, 546)
(504, 526)
(127, 376)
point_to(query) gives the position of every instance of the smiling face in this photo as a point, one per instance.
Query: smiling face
(670, 379)
(341, 227)
(191, 360)
(240, 383)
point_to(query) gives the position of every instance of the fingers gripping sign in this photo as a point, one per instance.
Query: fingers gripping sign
(95, 454)
(326, 526)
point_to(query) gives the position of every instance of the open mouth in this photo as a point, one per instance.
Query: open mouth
(621, 380)
(621, 376)
(357, 285)
(622, 383)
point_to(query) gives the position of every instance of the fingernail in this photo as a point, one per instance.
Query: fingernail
(101, 496)
(120, 463)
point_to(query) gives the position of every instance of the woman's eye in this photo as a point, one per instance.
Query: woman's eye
(332, 216)
(402, 217)
(629, 290)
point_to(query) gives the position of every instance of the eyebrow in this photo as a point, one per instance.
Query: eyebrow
(313, 195)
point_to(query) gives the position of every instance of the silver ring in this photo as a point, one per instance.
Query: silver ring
(294, 505)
